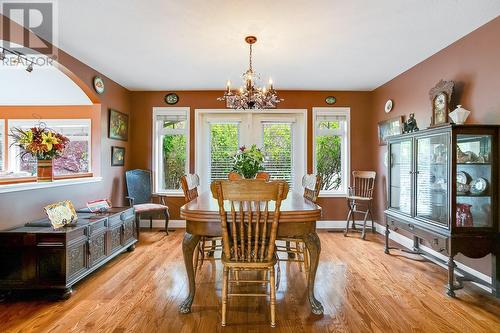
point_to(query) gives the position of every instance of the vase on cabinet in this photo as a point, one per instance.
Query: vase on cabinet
(45, 171)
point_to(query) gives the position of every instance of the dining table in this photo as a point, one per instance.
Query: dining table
(298, 218)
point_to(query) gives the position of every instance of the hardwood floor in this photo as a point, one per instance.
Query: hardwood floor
(140, 292)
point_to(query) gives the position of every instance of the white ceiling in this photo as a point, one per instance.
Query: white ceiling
(302, 44)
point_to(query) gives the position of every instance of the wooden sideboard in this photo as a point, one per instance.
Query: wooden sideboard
(37, 257)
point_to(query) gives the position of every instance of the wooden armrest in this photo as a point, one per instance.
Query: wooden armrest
(130, 201)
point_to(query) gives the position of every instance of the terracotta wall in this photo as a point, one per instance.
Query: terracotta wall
(473, 63)
(19, 207)
(359, 102)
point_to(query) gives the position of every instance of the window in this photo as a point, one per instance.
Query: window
(224, 142)
(278, 150)
(170, 156)
(281, 134)
(76, 159)
(331, 149)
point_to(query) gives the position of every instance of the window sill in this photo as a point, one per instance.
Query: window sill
(170, 194)
(332, 195)
(7, 188)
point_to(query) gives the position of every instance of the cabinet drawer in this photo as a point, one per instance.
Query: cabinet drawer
(97, 227)
(114, 220)
(128, 214)
(435, 241)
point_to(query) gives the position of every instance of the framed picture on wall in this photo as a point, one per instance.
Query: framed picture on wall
(117, 156)
(389, 127)
(118, 125)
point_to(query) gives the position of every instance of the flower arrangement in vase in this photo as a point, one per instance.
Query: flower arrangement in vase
(248, 162)
(42, 143)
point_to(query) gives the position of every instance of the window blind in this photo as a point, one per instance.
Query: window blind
(224, 143)
(278, 151)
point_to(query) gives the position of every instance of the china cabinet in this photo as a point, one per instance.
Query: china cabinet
(443, 190)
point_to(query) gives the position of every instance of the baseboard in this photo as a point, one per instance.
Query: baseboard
(408, 243)
(172, 224)
(177, 224)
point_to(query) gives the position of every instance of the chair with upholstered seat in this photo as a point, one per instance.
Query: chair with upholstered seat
(140, 196)
(249, 232)
(189, 184)
(360, 199)
(298, 252)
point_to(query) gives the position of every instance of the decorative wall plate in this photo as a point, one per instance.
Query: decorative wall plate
(330, 100)
(478, 186)
(171, 98)
(463, 177)
(99, 85)
(388, 106)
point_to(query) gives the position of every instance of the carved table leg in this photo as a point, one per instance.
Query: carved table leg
(314, 246)
(451, 277)
(188, 246)
(387, 232)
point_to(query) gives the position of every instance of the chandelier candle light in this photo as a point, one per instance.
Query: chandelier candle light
(249, 96)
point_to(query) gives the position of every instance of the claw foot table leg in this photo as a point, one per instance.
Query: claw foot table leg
(188, 245)
(314, 246)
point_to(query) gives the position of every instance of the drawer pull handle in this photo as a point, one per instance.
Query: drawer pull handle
(411, 226)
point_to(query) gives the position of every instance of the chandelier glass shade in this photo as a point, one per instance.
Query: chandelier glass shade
(249, 96)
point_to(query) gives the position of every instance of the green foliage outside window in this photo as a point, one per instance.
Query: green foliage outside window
(174, 160)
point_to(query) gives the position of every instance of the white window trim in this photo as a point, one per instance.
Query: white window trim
(3, 142)
(50, 122)
(337, 111)
(160, 111)
(268, 113)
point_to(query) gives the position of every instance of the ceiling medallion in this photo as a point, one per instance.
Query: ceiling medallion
(249, 96)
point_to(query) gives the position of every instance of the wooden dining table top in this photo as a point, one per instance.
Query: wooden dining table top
(293, 209)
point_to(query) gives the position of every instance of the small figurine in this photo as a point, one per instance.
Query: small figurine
(410, 125)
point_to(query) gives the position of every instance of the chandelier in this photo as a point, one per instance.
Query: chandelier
(249, 96)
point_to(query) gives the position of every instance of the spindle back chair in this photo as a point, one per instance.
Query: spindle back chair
(249, 212)
(360, 199)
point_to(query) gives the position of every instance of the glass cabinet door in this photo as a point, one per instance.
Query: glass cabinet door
(401, 166)
(432, 178)
(473, 197)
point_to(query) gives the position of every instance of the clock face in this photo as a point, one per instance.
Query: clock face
(440, 109)
(171, 98)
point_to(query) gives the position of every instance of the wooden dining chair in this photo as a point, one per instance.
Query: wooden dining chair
(298, 252)
(360, 199)
(140, 196)
(249, 232)
(189, 184)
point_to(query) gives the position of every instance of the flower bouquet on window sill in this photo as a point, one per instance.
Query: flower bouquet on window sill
(43, 144)
(248, 162)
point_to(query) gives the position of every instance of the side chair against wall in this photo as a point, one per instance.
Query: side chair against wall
(189, 184)
(298, 253)
(249, 232)
(140, 196)
(360, 199)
